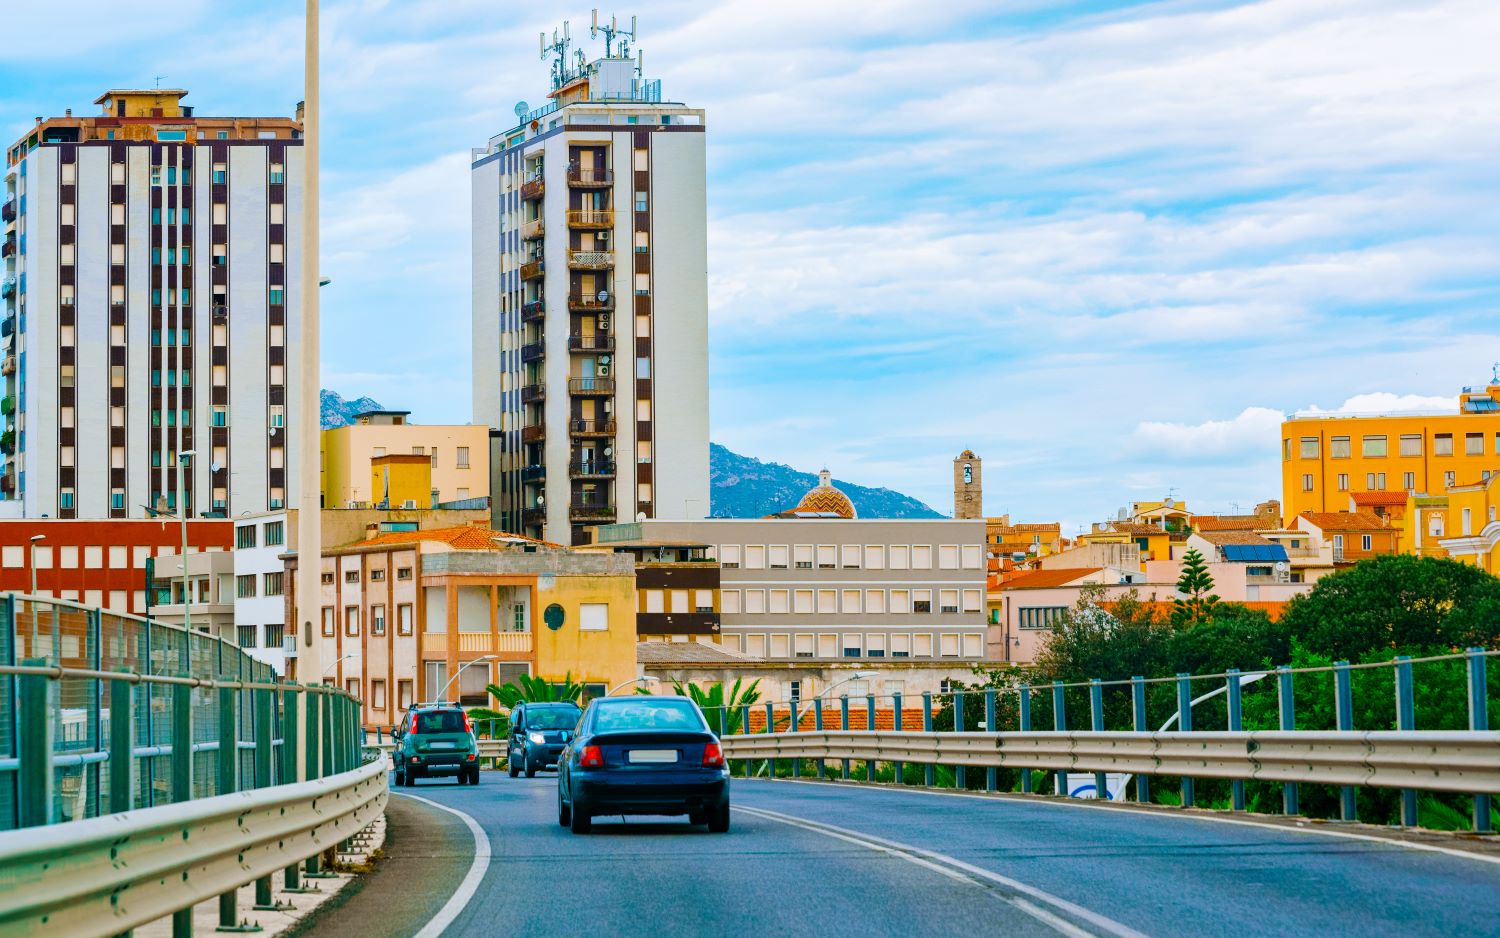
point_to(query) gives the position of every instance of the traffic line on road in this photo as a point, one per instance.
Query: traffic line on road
(470, 885)
(954, 868)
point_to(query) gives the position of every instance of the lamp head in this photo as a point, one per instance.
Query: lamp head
(38, 537)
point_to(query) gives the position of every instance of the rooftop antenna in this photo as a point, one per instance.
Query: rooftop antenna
(1495, 373)
(158, 80)
(558, 48)
(610, 32)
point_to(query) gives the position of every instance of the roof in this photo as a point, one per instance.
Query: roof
(1343, 520)
(1221, 538)
(1379, 498)
(163, 92)
(1229, 522)
(685, 652)
(1036, 528)
(459, 537)
(1042, 579)
(382, 413)
(1131, 527)
(1250, 553)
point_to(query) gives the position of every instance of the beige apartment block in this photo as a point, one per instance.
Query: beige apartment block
(459, 455)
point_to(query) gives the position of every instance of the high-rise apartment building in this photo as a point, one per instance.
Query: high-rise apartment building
(149, 276)
(590, 304)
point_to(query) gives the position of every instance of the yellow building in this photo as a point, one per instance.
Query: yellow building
(1326, 460)
(458, 458)
(1474, 534)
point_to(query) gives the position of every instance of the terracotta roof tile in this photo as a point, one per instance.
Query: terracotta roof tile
(459, 537)
(1041, 579)
(1344, 520)
(1230, 523)
(1233, 537)
(1130, 527)
(1379, 498)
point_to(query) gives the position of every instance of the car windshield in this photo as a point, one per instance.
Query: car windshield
(438, 721)
(648, 714)
(562, 718)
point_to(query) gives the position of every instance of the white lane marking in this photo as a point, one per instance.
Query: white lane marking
(932, 860)
(470, 884)
(1087, 804)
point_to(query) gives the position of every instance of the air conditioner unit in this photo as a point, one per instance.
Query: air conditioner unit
(603, 323)
(602, 371)
(409, 503)
(602, 238)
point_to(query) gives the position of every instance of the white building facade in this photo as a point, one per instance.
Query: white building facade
(260, 586)
(590, 326)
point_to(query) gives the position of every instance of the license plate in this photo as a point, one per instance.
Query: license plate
(441, 745)
(653, 755)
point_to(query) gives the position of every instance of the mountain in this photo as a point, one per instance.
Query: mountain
(744, 487)
(338, 412)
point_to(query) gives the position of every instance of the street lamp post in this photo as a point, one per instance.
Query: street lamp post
(182, 516)
(639, 678)
(32, 560)
(444, 695)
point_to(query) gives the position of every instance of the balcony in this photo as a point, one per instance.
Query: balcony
(289, 645)
(534, 517)
(7, 405)
(535, 311)
(532, 190)
(8, 287)
(534, 473)
(591, 260)
(531, 270)
(533, 351)
(591, 427)
(591, 387)
(533, 230)
(579, 303)
(472, 644)
(9, 248)
(598, 342)
(533, 394)
(590, 178)
(591, 469)
(591, 514)
(8, 365)
(8, 210)
(591, 218)
(677, 623)
(534, 434)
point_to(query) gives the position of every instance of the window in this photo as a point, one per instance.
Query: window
(778, 556)
(403, 573)
(755, 602)
(377, 576)
(1442, 444)
(875, 601)
(351, 685)
(802, 602)
(244, 536)
(1307, 482)
(729, 556)
(327, 578)
(1374, 445)
(828, 601)
(921, 600)
(875, 557)
(351, 576)
(328, 621)
(278, 296)
(1409, 481)
(1366, 541)
(245, 636)
(755, 557)
(1338, 447)
(377, 619)
(1473, 444)
(826, 557)
(703, 601)
(640, 202)
(1343, 482)
(273, 584)
(65, 498)
(852, 646)
(275, 634)
(593, 617)
(729, 601)
(351, 620)
(948, 601)
(1450, 478)
(1039, 617)
(1411, 444)
(244, 586)
(921, 557)
(1309, 447)
(851, 555)
(850, 600)
(377, 695)
(802, 556)
(518, 618)
(275, 533)
(779, 602)
(404, 694)
(900, 601)
(403, 619)
(463, 457)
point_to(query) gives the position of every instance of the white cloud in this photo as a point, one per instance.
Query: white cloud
(1254, 428)
(1384, 402)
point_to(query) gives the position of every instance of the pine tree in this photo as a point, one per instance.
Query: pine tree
(1196, 585)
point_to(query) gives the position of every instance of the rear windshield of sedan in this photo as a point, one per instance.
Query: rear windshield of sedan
(438, 721)
(648, 715)
(563, 718)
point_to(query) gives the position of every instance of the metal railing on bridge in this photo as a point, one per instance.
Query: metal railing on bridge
(145, 768)
(1286, 726)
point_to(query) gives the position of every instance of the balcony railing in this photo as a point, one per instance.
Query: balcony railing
(534, 517)
(533, 229)
(533, 351)
(677, 623)
(591, 469)
(533, 473)
(591, 260)
(591, 386)
(598, 342)
(594, 513)
(8, 365)
(591, 218)
(533, 269)
(533, 393)
(533, 434)
(532, 189)
(592, 427)
(584, 178)
(590, 303)
(8, 210)
(535, 311)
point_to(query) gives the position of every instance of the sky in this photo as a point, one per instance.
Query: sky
(1104, 245)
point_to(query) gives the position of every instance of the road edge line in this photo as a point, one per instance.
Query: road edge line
(470, 884)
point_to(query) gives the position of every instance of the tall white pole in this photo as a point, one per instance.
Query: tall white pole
(182, 516)
(309, 522)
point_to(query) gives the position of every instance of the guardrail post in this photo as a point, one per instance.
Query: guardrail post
(900, 776)
(314, 721)
(870, 725)
(1138, 721)
(1343, 714)
(1096, 723)
(844, 725)
(1025, 727)
(121, 745)
(228, 762)
(960, 773)
(34, 746)
(1479, 721)
(1406, 721)
(818, 725)
(795, 726)
(265, 725)
(1286, 705)
(770, 728)
(329, 740)
(991, 774)
(182, 775)
(1236, 724)
(293, 700)
(1060, 724)
(929, 771)
(1185, 724)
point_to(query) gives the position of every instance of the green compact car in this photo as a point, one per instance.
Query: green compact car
(436, 739)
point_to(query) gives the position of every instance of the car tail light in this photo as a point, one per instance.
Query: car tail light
(414, 758)
(592, 758)
(713, 756)
(414, 724)
(471, 757)
(467, 727)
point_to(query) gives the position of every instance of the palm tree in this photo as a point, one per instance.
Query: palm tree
(535, 690)
(716, 700)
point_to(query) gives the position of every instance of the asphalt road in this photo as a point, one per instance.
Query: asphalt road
(808, 858)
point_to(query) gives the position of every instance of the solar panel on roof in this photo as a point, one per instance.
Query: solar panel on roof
(1247, 553)
(1482, 405)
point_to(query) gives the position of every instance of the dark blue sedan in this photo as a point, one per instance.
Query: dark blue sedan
(643, 755)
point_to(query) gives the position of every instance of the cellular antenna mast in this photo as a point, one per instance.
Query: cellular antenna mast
(558, 48)
(611, 32)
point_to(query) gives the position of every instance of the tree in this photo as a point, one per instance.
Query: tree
(535, 690)
(1197, 584)
(715, 700)
(1397, 602)
(1105, 639)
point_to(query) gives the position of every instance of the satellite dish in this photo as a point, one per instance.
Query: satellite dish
(1281, 566)
(541, 499)
(603, 296)
(604, 359)
(609, 451)
(640, 516)
(522, 109)
(214, 467)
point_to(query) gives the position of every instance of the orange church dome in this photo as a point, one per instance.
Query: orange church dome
(825, 500)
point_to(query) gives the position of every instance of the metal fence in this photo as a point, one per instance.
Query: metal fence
(1334, 740)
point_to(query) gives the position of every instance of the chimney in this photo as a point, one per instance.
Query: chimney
(372, 529)
(68, 112)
